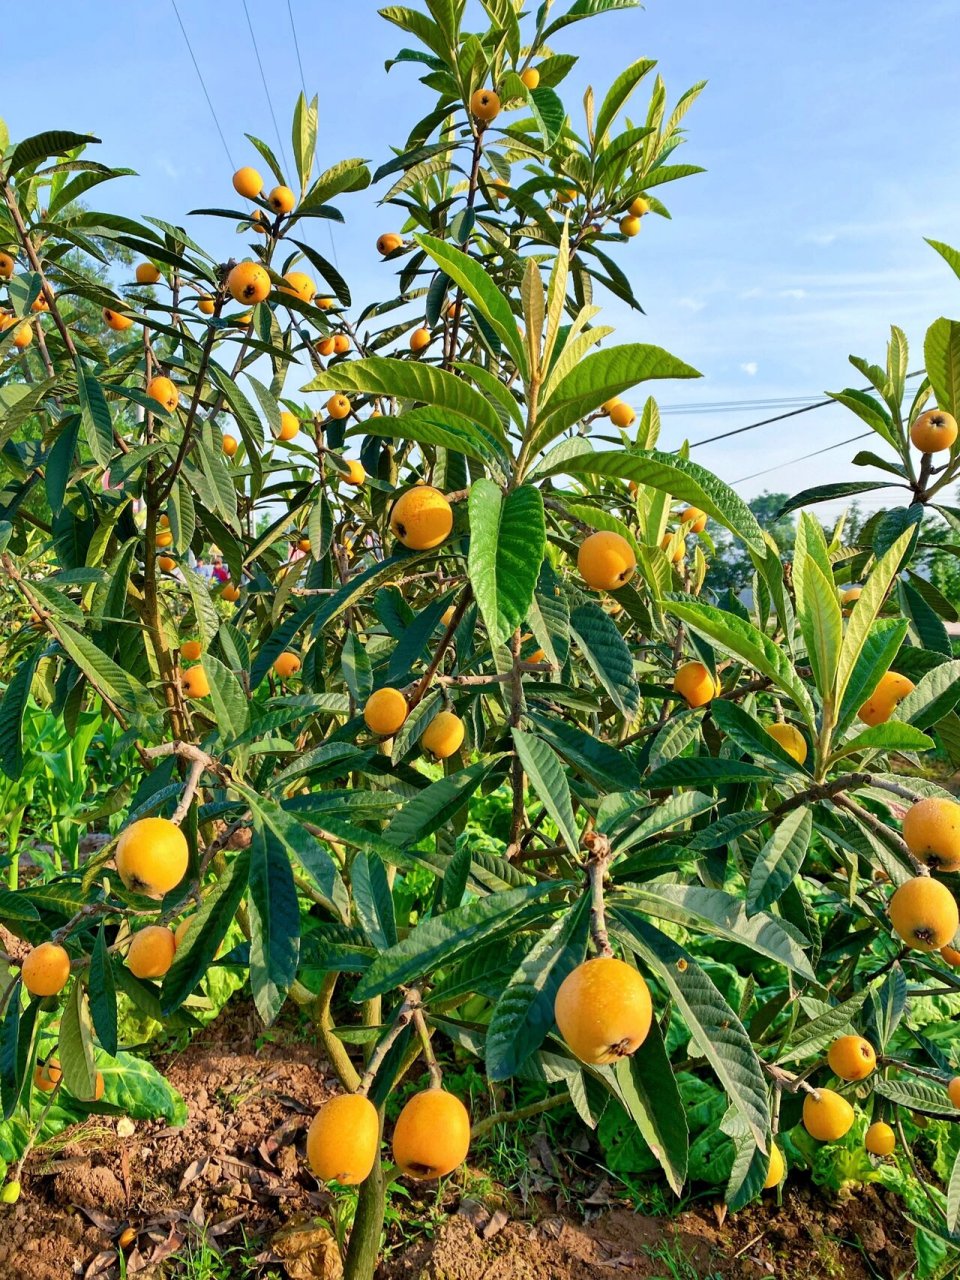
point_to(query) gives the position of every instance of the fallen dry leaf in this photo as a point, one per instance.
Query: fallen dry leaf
(309, 1252)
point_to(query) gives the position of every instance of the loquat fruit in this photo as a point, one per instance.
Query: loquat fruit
(419, 339)
(286, 665)
(231, 593)
(325, 346)
(206, 304)
(338, 406)
(194, 680)
(166, 564)
(39, 304)
(341, 344)
(116, 320)
(849, 598)
(608, 406)
(432, 1134)
(605, 560)
(355, 473)
(639, 207)
(7, 265)
(151, 951)
(622, 415)
(164, 538)
(164, 392)
(852, 1058)
(695, 518)
(299, 285)
(885, 699)
(248, 282)
(953, 1091)
(951, 955)
(674, 546)
(448, 614)
(826, 1115)
(630, 226)
(229, 445)
(531, 78)
(343, 1140)
(776, 1168)
(421, 518)
(880, 1139)
(924, 914)
(385, 711)
(443, 735)
(934, 431)
(389, 243)
(325, 304)
(791, 739)
(485, 105)
(151, 856)
(289, 425)
(22, 336)
(603, 1010)
(281, 200)
(931, 829)
(247, 183)
(147, 273)
(191, 650)
(45, 969)
(47, 1075)
(695, 683)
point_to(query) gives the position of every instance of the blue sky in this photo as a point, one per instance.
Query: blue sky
(826, 129)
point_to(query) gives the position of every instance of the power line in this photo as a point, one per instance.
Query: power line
(765, 422)
(266, 87)
(202, 83)
(296, 45)
(792, 461)
(729, 406)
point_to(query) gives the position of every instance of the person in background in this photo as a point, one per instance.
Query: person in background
(204, 568)
(221, 573)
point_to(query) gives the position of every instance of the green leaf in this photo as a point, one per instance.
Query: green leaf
(302, 847)
(605, 649)
(435, 805)
(231, 711)
(618, 94)
(953, 1195)
(927, 629)
(818, 607)
(750, 735)
(524, 1012)
(941, 353)
(744, 641)
(779, 860)
(891, 736)
(883, 642)
(373, 900)
(95, 417)
(549, 782)
(471, 277)
(507, 544)
(814, 1036)
(711, 770)
(599, 377)
(440, 939)
(102, 672)
(671, 474)
(718, 1032)
(585, 9)
(826, 492)
(444, 428)
(207, 931)
(651, 1095)
(103, 994)
(304, 138)
(75, 1046)
(919, 1095)
(865, 610)
(274, 923)
(13, 708)
(936, 694)
(54, 142)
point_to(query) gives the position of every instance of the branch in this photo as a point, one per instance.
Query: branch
(405, 1013)
(599, 852)
(521, 1113)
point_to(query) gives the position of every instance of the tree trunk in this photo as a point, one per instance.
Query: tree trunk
(364, 1247)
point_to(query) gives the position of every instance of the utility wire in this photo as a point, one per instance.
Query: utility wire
(296, 45)
(792, 461)
(266, 87)
(765, 422)
(202, 82)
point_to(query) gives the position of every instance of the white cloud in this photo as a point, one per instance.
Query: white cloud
(793, 293)
(691, 304)
(750, 368)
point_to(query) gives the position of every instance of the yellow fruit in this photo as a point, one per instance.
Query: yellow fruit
(931, 829)
(97, 1087)
(338, 406)
(567, 196)
(181, 930)
(287, 664)
(639, 207)
(152, 856)
(385, 712)
(166, 564)
(206, 304)
(164, 392)
(325, 304)
(343, 1140)
(603, 1010)
(924, 914)
(7, 265)
(151, 951)
(849, 598)
(126, 1238)
(934, 431)
(247, 183)
(248, 282)
(260, 223)
(191, 650)
(791, 739)
(325, 346)
(341, 344)
(885, 699)
(289, 425)
(443, 735)
(448, 614)
(674, 546)
(304, 546)
(147, 273)
(485, 105)
(281, 200)
(695, 518)
(630, 226)
(826, 1115)
(45, 969)
(951, 955)
(696, 684)
(355, 473)
(621, 415)
(530, 77)
(852, 1058)
(231, 593)
(39, 304)
(776, 1168)
(47, 1075)
(953, 1091)
(421, 518)
(299, 285)
(22, 335)
(229, 445)
(164, 538)
(608, 406)
(880, 1139)
(606, 560)
(432, 1134)
(10, 1192)
(419, 339)
(195, 682)
(389, 243)
(115, 320)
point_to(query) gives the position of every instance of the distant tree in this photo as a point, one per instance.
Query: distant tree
(731, 568)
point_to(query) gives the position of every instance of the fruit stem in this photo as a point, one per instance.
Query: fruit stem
(598, 857)
(879, 829)
(522, 1113)
(437, 658)
(436, 1075)
(405, 1012)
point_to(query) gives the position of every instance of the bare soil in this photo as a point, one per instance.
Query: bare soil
(235, 1177)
